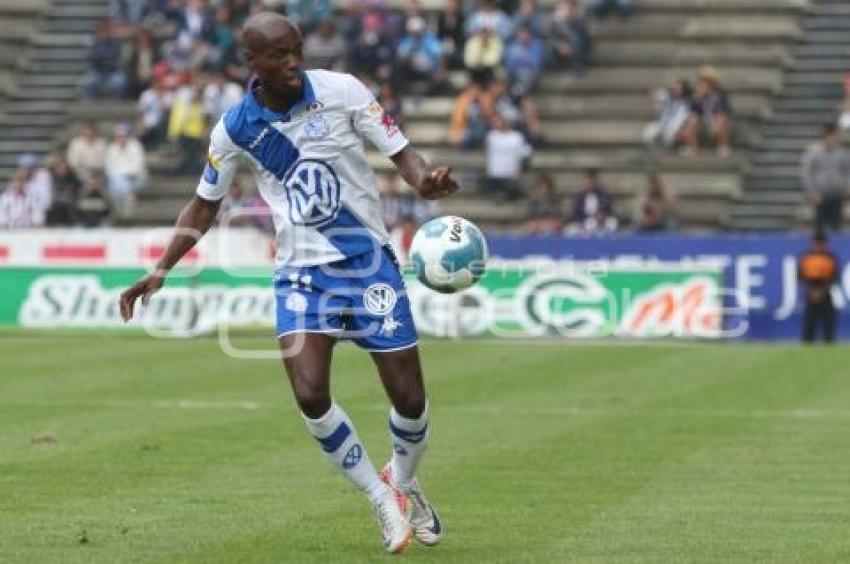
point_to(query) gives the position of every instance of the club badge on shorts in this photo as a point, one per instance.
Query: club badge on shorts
(379, 299)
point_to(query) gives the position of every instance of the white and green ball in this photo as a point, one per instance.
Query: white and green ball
(449, 254)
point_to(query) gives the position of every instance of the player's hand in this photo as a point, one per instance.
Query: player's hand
(144, 288)
(438, 184)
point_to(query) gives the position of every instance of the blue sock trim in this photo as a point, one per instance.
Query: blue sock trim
(333, 441)
(409, 436)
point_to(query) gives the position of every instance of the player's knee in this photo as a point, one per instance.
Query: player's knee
(411, 403)
(312, 402)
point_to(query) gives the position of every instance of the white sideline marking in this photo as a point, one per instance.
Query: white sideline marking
(190, 404)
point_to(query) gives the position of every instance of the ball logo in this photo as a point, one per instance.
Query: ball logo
(312, 189)
(379, 299)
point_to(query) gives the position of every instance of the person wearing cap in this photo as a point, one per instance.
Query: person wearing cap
(419, 55)
(711, 113)
(818, 271)
(126, 171)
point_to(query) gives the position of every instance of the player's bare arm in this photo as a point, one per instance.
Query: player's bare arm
(192, 223)
(431, 184)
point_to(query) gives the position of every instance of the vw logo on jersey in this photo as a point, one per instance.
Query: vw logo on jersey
(316, 127)
(312, 188)
(379, 299)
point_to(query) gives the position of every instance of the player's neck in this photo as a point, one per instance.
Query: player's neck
(278, 103)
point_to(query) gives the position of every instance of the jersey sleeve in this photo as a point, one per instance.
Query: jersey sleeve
(370, 120)
(223, 160)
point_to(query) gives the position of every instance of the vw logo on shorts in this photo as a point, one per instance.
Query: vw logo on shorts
(379, 299)
(312, 189)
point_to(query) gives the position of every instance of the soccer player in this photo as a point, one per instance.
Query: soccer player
(301, 134)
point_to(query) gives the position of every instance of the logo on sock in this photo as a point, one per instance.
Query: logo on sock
(400, 450)
(352, 457)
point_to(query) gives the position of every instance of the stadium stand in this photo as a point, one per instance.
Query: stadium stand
(812, 96)
(595, 120)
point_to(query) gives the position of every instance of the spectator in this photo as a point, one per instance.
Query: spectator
(187, 126)
(544, 215)
(506, 152)
(450, 31)
(602, 8)
(92, 206)
(519, 111)
(18, 207)
(490, 17)
(241, 209)
(471, 114)
(86, 151)
(524, 61)
(39, 186)
(844, 121)
(392, 104)
(153, 107)
(66, 190)
(307, 14)
(711, 111)
(372, 52)
(593, 208)
(324, 48)
(105, 75)
(483, 50)
(126, 171)
(825, 173)
(527, 16)
(655, 207)
(224, 44)
(140, 69)
(673, 105)
(126, 11)
(818, 271)
(197, 22)
(570, 35)
(219, 96)
(419, 56)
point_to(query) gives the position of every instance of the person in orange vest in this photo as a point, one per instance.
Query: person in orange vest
(818, 270)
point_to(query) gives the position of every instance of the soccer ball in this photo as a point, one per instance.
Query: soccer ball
(449, 254)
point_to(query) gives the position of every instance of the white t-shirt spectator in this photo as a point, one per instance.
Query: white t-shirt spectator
(505, 152)
(84, 155)
(153, 106)
(126, 160)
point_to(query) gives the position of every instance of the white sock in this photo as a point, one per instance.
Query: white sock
(338, 438)
(410, 437)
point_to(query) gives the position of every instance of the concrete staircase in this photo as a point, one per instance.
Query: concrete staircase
(36, 106)
(812, 97)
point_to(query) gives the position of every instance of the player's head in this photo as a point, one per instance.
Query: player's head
(273, 49)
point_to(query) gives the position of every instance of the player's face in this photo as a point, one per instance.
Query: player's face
(278, 64)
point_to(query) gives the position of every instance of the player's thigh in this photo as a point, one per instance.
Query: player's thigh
(307, 360)
(401, 374)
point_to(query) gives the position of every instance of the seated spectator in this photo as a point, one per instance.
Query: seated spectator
(451, 33)
(325, 48)
(187, 126)
(105, 75)
(593, 208)
(141, 67)
(392, 104)
(488, 16)
(398, 203)
(127, 11)
(524, 61)
(18, 206)
(544, 215)
(844, 121)
(66, 190)
(519, 111)
(419, 57)
(471, 114)
(39, 184)
(224, 44)
(527, 16)
(126, 171)
(483, 50)
(602, 8)
(86, 151)
(243, 209)
(198, 22)
(673, 104)
(507, 150)
(655, 207)
(219, 96)
(307, 14)
(711, 114)
(153, 107)
(372, 52)
(92, 205)
(570, 35)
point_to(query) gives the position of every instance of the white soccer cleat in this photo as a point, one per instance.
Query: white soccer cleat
(426, 524)
(394, 526)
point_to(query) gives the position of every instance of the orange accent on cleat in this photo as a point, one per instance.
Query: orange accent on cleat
(386, 477)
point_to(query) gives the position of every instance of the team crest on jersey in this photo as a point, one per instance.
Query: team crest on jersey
(313, 194)
(315, 106)
(316, 128)
(379, 299)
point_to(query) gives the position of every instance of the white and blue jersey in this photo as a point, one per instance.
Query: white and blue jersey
(310, 167)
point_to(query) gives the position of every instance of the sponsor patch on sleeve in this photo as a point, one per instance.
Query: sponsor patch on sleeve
(211, 170)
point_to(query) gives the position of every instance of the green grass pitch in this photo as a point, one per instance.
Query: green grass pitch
(130, 449)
